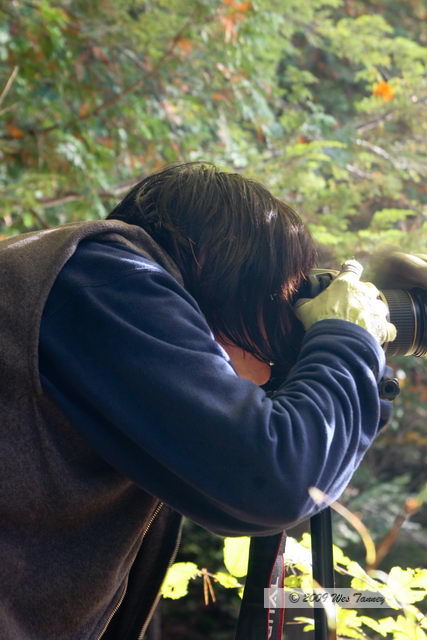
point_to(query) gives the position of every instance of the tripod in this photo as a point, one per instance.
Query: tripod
(323, 567)
(257, 621)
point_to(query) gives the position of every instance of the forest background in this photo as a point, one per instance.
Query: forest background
(324, 101)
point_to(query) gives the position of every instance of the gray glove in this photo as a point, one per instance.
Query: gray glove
(349, 299)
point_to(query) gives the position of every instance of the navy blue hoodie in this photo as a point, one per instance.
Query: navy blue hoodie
(127, 355)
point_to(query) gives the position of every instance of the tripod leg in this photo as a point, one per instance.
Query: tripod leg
(323, 567)
(266, 570)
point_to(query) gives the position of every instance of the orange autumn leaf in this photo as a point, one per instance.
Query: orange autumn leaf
(105, 142)
(14, 131)
(36, 51)
(412, 505)
(232, 18)
(234, 79)
(243, 6)
(135, 161)
(218, 96)
(238, 6)
(260, 135)
(184, 44)
(383, 90)
(230, 29)
(84, 109)
(80, 70)
(99, 54)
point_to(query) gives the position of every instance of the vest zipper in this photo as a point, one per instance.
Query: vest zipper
(110, 617)
(156, 601)
(114, 611)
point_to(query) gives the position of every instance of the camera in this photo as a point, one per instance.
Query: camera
(407, 311)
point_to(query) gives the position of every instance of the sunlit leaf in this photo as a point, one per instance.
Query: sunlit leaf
(236, 555)
(175, 584)
(226, 580)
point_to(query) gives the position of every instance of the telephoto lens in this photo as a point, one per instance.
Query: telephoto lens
(407, 311)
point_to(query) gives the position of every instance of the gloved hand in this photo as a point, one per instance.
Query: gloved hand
(349, 299)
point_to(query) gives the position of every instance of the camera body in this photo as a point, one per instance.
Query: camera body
(407, 311)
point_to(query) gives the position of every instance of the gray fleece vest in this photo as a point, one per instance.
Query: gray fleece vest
(72, 529)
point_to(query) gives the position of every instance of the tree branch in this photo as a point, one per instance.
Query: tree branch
(366, 126)
(358, 172)
(9, 108)
(42, 222)
(8, 84)
(66, 198)
(379, 151)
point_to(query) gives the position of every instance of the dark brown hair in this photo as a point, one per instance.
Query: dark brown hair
(242, 252)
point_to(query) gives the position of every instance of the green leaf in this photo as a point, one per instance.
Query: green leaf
(236, 555)
(175, 584)
(322, 235)
(349, 624)
(296, 553)
(226, 580)
(309, 623)
(387, 218)
(340, 557)
(407, 629)
(383, 628)
(408, 585)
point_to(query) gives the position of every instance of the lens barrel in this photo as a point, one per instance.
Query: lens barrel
(408, 312)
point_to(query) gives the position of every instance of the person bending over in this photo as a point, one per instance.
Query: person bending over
(134, 350)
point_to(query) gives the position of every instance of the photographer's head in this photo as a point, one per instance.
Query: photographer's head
(242, 252)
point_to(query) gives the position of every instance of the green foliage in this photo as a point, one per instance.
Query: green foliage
(401, 588)
(235, 558)
(324, 101)
(285, 91)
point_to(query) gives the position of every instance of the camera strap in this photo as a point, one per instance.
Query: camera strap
(260, 620)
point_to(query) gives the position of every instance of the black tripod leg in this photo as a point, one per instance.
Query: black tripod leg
(323, 567)
(266, 569)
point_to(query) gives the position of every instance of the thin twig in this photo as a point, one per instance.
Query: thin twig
(366, 126)
(65, 198)
(379, 151)
(132, 56)
(9, 108)
(358, 172)
(39, 219)
(8, 84)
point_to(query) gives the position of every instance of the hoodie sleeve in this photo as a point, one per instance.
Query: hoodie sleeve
(127, 355)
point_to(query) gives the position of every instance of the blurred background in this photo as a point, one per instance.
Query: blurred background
(324, 101)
